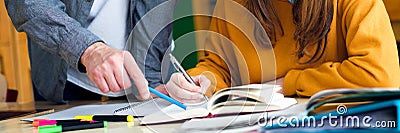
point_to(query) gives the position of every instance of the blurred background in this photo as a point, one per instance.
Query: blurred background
(15, 80)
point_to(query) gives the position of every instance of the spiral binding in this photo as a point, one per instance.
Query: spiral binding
(122, 109)
(132, 106)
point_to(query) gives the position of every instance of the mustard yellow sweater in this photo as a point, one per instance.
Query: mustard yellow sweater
(361, 52)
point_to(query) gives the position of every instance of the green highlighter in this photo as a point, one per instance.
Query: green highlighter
(56, 129)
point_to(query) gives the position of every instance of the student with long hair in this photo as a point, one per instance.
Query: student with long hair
(318, 44)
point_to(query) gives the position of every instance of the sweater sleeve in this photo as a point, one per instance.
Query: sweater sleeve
(371, 48)
(47, 23)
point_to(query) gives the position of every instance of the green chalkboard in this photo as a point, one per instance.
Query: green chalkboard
(183, 34)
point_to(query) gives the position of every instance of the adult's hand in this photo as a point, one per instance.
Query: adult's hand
(111, 69)
(182, 90)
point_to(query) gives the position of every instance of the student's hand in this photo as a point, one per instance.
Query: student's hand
(111, 68)
(277, 82)
(182, 90)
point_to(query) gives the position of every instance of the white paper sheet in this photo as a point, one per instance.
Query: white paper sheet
(139, 109)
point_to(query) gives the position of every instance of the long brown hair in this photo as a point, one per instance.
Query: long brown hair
(312, 18)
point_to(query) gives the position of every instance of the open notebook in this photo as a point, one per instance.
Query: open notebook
(229, 101)
(137, 109)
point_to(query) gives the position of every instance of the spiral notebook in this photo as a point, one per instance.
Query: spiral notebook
(137, 109)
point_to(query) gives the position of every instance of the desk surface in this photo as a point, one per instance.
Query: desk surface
(14, 125)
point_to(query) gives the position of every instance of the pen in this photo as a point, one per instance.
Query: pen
(60, 128)
(179, 68)
(37, 123)
(169, 99)
(114, 118)
(165, 97)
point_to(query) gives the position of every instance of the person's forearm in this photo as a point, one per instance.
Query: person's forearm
(46, 23)
(372, 58)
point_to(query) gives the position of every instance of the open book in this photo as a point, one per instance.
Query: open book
(229, 101)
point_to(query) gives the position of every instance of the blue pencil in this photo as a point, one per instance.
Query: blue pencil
(169, 99)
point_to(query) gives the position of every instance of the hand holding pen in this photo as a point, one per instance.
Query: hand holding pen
(184, 88)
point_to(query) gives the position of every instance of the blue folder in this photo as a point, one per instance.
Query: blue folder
(384, 112)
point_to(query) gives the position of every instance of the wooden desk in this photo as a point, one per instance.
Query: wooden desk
(16, 126)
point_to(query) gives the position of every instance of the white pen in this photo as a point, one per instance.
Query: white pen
(179, 68)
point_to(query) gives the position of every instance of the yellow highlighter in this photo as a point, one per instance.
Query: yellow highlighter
(114, 118)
